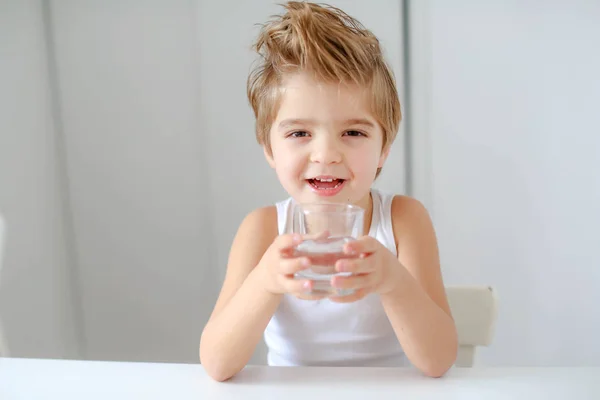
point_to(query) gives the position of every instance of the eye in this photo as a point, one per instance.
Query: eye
(298, 134)
(354, 133)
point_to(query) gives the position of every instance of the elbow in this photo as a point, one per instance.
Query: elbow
(216, 369)
(215, 366)
(438, 366)
(436, 371)
(217, 373)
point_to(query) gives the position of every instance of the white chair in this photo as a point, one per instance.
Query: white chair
(3, 346)
(474, 309)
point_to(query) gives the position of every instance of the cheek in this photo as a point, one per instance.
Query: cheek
(364, 162)
(288, 162)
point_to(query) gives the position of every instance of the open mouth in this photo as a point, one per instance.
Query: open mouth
(325, 183)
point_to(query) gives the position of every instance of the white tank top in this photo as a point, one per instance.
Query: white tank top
(324, 333)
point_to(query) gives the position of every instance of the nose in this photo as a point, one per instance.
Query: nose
(326, 151)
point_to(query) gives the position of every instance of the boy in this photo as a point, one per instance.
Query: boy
(327, 112)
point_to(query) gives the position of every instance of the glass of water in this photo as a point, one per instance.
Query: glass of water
(326, 228)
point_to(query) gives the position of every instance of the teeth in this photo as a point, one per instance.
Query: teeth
(324, 180)
(335, 187)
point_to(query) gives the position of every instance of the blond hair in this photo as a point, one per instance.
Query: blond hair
(334, 47)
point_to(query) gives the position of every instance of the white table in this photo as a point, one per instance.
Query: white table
(65, 380)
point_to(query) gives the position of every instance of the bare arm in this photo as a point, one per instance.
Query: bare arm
(243, 308)
(418, 308)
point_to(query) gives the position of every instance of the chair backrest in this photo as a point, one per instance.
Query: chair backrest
(3, 346)
(474, 309)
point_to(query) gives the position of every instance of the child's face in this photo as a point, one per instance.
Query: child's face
(325, 143)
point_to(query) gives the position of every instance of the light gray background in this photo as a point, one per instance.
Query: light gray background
(128, 159)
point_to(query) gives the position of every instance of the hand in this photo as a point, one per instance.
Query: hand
(278, 266)
(375, 270)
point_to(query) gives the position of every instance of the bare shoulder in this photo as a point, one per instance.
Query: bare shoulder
(256, 233)
(413, 228)
(417, 246)
(254, 236)
(409, 216)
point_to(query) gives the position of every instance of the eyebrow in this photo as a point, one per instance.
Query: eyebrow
(359, 121)
(286, 123)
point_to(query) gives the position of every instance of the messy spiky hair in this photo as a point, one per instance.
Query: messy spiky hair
(330, 45)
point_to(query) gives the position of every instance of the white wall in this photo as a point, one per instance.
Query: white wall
(506, 124)
(35, 299)
(139, 180)
(151, 110)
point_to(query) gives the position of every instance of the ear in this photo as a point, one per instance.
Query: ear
(269, 156)
(384, 155)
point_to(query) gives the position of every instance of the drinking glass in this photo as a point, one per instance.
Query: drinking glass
(326, 228)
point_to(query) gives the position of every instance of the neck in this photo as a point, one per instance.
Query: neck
(367, 204)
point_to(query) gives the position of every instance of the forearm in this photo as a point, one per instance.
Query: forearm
(228, 340)
(425, 331)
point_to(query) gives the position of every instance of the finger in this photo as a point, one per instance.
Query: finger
(355, 265)
(290, 266)
(357, 295)
(365, 244)
(353, 281)
(287, 243)
(296, 286)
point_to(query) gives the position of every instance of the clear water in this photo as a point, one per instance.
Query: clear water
(323, 254)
